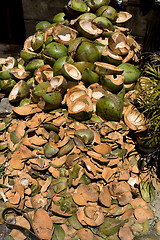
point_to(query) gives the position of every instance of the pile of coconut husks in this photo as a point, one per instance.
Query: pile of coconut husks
(69, 168)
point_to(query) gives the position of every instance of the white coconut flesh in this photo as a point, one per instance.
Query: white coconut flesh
(97, 95)
(73, 72)
(13, 94)
(55, 82)
(64, 34)
(90, 27)
(78, 106)
(73, 96)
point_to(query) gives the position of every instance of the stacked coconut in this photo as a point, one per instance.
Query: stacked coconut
(86, 50)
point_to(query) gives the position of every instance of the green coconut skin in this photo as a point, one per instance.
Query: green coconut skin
(57, 67)
(131, 72)
(42, 26)
(27, 56)
(34, 64)
(83, 65)
(39, 90)
(108, 12)
(110, 106)
(60, 17)
(55, 50)
(87, 16)
(7, 85)
(78, 6)
(89, 77)
(53, 100)
(37, 40)
(95, 4)
(82, 116)
(109, 85)
(103, 22)
(5, 75)
(87, 52)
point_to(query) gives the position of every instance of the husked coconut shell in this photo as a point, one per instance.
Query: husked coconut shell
(71, 72)
(75, 92)
(81, 108)
(88, 29)
(123, 17)
(109, 56)
(118, 43)
(134, 119)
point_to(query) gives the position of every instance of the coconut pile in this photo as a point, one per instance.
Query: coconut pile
(67, 149)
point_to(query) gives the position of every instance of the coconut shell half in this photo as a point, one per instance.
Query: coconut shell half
(107, 69)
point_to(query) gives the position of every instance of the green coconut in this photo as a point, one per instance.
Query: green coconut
(112, 83)
(89, 77)
(88, 52)
(60, 18)
(72, 48)
(85, 135)
(39, 90)
(107, 69)
(76, 7)
(50, 101)
(19, 91)
(57, 67)
(34, 64)
(37, 41)
(131, 73)
(5, 75)
(104, 23)
(83, 65)
(95, 4)
(7, 85)
(110, 106)
(42, 26)
(27, 55)
(55, 50)
(50, 150)
(87, 16)
(108, 12)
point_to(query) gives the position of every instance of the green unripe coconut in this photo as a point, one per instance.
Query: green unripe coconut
(55, 50)
(42, 26)
(27, 55)
(7, 85)
(88, 52)
(95, 4)
(60, 17)
(76, 7)
(131, 72)
(34, 64)
(110, 106)
(89, 77)
(57, 67)
(37, 40)
(50, 101)
(108, 12)
(103, 22)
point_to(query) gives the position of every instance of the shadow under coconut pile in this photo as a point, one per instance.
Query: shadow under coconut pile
(69, 167)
